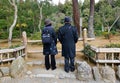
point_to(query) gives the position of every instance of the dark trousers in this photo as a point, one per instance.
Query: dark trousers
(69, 64)
(49, 63)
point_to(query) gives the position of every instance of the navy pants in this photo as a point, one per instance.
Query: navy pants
(69, 64)
(50, 63)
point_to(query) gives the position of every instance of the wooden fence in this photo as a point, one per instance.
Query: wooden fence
(106, 55)
(10, 54)
(7, 55)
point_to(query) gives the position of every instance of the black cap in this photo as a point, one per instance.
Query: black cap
(47, 22)
(67, 19)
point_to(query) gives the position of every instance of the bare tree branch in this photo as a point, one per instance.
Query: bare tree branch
(113, 24)
(10, 2)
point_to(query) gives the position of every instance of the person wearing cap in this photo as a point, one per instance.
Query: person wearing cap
(50, 50)
(68, 37)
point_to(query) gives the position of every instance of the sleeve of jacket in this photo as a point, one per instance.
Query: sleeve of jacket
(54, 36)
(60, 35)
(42, 33)
(75, 34)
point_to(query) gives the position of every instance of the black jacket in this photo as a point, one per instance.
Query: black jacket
(68, 37)
(50, 49)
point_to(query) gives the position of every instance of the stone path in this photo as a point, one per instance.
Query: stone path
(36, 73)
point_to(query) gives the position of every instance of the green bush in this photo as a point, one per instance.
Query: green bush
(3, 35)
(16, 34)
(113, 46)
(36, 36)
(14, 46)
(87, 51)
(98, 33)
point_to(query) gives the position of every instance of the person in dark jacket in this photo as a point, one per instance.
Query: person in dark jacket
(50, 50)
(68, 37)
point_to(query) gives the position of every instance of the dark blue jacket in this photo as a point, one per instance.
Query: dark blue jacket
(50, 49)
(68, 37)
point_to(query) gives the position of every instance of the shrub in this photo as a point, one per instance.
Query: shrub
(14, 46)
(112, 45)
(36, 36)
(87, 51)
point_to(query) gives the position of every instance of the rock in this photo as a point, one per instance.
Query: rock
(17, 67)
(29, 64)
(61, 76)
(29, 72)
(5, 79)
(4, 71)
(118, 72)
(108, 74)
(1, 75)
(84, 72)
(96, 74)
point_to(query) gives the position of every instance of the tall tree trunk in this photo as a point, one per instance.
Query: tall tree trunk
(14, 22)
(91, 19)
(76, 15)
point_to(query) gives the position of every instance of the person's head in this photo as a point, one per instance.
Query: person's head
(67, 19)
(47, 22)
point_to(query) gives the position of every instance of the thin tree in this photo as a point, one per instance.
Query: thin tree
(40, 18)
(12, 2)
(76, 15)
(91, 20)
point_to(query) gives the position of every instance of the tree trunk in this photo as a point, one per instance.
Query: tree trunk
(76, 15)
(40, 20)
(91, 18)
(14, 22)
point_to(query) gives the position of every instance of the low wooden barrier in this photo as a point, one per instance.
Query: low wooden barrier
(106, 55)
(7, 55)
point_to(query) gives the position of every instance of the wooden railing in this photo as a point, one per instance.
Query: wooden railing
(7, 55)
(10, 54)
(106, 55)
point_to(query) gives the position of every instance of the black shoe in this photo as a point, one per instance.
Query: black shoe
(54, 68)
(67, 71)
(47, 68)
(72, 70)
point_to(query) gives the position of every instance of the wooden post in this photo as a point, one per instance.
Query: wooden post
(112, 60)
(1, 57)
(80, 27)
(24, 36)
(119, 56)
(105, 59)
(8, 56)
(84, 36)
(17, 54)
